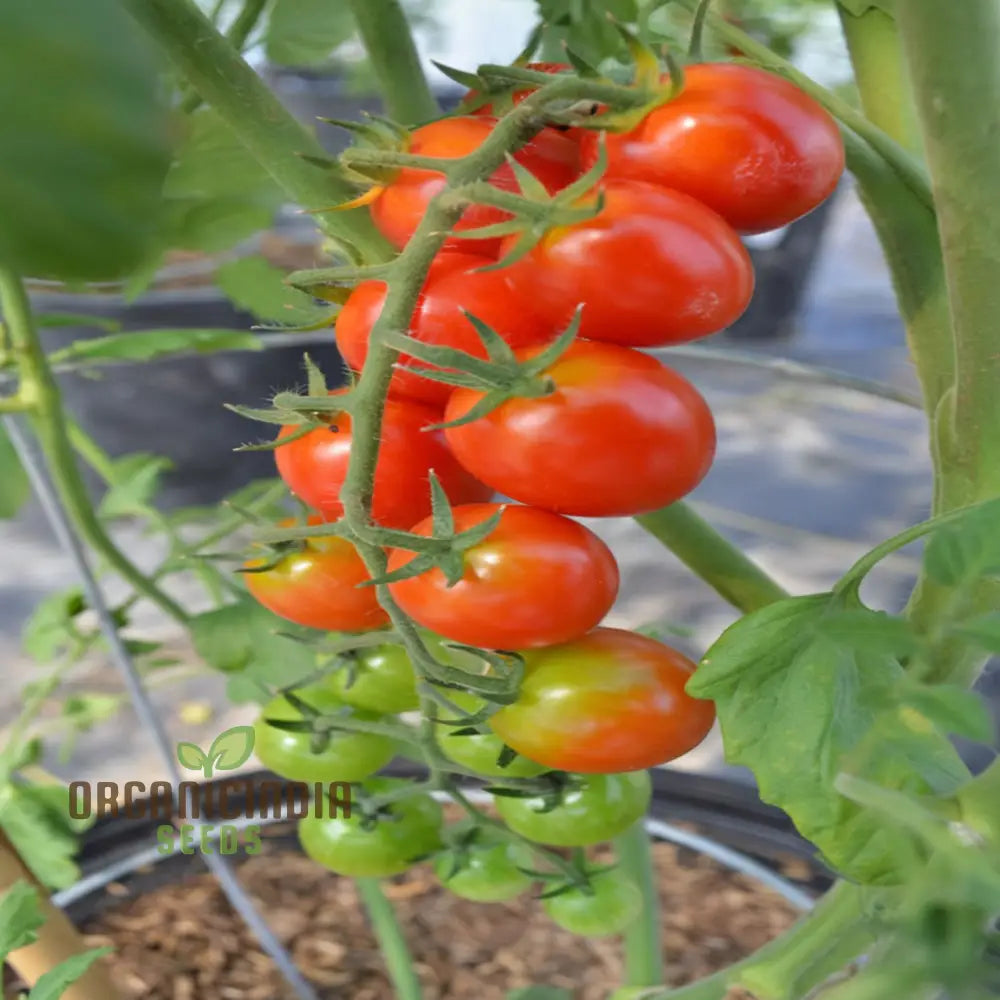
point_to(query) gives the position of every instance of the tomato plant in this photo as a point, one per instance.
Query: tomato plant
(748, 144)
(398, 210)
(314, 465)
(536, 579)
(653, 267)
(454, 287)
(592, 809)
(301, 756)
(609, 701)
(317, 584)
(408, 829)
(608, 904)
(621, 434)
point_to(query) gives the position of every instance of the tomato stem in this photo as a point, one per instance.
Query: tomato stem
(643, 949)
(392, 943)
(49, 421)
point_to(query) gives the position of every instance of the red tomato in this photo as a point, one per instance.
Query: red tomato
(654, 267)
(314, 466)
(748, 144)
(537, 579)
(551, 157)
(317, 585)
(608, 702)
(452, 286)
(519, 95)
(621, 434)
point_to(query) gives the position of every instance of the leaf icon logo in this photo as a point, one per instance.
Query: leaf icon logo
(228, 751)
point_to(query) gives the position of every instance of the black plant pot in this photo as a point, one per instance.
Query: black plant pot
(174, 406)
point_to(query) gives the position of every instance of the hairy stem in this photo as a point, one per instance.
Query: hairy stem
(712, 557)
(643, 948)
(50, 422)
(221, 76)
(389, 43)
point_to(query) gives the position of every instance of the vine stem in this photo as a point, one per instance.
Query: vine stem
(221, 76)
(712, 557)
(392, 943)
(643, 948)
(389, 43)
(49, 421)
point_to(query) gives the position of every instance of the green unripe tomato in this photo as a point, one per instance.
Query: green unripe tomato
(346, 756)
(487, 872)
(343, 845)
(614, 902)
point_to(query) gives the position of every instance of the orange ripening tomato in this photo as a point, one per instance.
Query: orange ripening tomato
(620, 435)
(536, 579)
(654, 267)
(398, 210)
(750, 145)
(318, 585)
(608, 702)
(314, 466)
(453, 288)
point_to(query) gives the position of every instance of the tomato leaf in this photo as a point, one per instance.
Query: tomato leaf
(20, 917)
(305, 32)
(800, 702)
(135, 480)
(52, 985)
(77, 319)
(14, 486)
(85, 156)
(210, 224)
(40, 832)
(48, 632)
(984, 630)
(967, 549)
(145, 345)
(258, 287)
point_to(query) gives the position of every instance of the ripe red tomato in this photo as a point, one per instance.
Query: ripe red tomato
(519, 95)
(537, 579)
(314, 466)
(621, 434)
(654, 267)
(551, 157)
(747, 143)
(609, 702)
(317, 585)
(452, 286)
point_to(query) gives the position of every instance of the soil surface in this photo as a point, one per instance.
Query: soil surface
(182, 942)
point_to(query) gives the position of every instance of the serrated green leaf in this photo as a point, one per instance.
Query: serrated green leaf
(83, 711)
(47, 633)
(80, 186)
(232, 748)
(243, 690)
(144, 345)
(191, 756)
(305, 32)
(212, 225)
(967, 549)
(52, 985)
(57, 319)
(20, 917)
(135, 480)
(799, 704)
(14, 486)
(40, 834)
(873, 630)
(259, 287)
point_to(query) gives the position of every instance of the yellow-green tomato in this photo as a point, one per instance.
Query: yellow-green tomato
(345, 757)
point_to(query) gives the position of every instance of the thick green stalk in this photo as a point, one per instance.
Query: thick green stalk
(712, 557)
(389, 44)
(880, 72)
(390, 938)
(221, 76)
(643, 947)
(38, 387)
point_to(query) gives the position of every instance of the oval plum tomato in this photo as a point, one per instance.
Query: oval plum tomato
(314, 466)
(612, 701)
(593, 809)
(479, 752)
(346, 756)
(536, 579)
(620, 435)
(317, 585)
(611, 902)
(410, 829)
(654, 267)
(750, 145)
(453, 288)
(398, 210)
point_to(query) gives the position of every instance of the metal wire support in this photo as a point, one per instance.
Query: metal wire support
(37, 471)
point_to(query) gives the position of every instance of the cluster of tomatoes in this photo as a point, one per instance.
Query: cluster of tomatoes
(737, 151)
